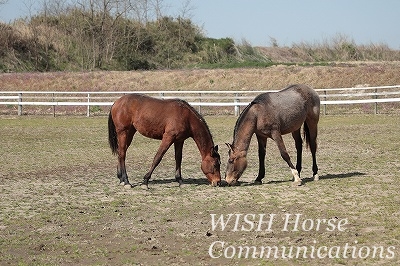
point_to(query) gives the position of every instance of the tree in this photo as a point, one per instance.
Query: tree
(101, 17)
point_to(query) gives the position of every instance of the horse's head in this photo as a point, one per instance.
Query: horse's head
(237, 163)
(211, 167)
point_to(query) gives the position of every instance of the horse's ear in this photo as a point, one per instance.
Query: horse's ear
(214, 151)
(229, 146)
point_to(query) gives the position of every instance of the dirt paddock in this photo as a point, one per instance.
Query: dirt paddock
(60, 203)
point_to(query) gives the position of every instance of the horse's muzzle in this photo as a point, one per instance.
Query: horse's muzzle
(215, 183)
(232, 182)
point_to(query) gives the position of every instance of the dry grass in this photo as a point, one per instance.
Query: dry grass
(277, 77)
(61, 203)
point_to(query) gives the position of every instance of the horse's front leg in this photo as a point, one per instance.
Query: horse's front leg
(178, 145)
(285, 155)
(262, 144)
(166, 142)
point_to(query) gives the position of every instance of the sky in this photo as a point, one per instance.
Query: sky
(288, 22)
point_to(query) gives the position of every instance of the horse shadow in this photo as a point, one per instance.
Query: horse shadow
(172, 181)
(335, 176)
(204, 181)
(310, 179)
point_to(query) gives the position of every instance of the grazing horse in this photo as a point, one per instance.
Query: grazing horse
(271, 115)
(171, 121)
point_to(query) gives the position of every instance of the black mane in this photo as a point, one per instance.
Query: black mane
(239, 120)
(194, 111)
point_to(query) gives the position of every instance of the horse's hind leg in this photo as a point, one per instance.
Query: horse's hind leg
(178, 161)
(124, 140)
(313, 131)
(285, 155)
(299, 148)
(262, 144)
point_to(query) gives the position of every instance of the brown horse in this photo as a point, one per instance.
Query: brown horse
(171, 121)
(271, 115)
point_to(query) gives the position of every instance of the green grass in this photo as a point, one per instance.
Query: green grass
(61, 204)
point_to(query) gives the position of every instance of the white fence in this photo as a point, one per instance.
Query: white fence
(332, 96)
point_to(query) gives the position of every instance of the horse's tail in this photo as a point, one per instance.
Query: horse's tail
(112, 135)
(306, 134)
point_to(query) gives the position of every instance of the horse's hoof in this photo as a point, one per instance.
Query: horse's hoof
(122, 183)
(297, 183)
(127, 186)
(316, 177)
(146, 182)
(257, 182)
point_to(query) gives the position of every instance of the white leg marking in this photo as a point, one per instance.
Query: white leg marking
(316, 177)
(296, 176)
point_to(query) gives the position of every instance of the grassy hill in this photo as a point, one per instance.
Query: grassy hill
(84, 39)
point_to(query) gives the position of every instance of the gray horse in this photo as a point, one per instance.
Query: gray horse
(271, 115)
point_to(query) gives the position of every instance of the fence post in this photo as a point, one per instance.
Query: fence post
(237, 107)
(88, 106)
(201, 95)
(19, 103)
(324, 100)
(376, 103)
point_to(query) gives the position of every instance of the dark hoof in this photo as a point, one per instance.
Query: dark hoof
(146, 183)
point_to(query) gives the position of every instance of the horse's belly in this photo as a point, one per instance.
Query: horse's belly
(152, 135)
(293, 127)
(150, 129)
(292, 123)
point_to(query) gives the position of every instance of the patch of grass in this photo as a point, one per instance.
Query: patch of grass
(61, 202)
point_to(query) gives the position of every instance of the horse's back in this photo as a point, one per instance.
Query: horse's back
(288, 108)
(150, 116)
(294, 96)
(139, 104)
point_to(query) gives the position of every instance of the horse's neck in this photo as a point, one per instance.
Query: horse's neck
(243, 134)
(202, 138)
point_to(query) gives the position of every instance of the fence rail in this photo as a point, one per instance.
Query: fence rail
(236, 99)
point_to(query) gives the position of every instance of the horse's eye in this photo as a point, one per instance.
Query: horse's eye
(230, 161)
